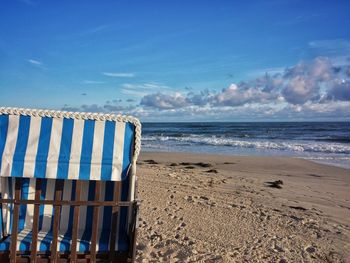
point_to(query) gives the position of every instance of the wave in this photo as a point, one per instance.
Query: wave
(294, 146)
(330, 158)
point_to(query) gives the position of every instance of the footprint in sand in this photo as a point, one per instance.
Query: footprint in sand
(181, 226)
(310, 249)
(189, 198)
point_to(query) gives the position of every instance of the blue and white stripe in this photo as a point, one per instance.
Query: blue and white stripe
(7, 187)
(62, 148)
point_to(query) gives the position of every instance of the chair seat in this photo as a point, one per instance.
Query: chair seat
(24, 240)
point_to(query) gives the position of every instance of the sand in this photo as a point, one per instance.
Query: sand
(212, 208)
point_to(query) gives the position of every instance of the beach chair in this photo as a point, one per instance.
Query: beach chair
(68, 186)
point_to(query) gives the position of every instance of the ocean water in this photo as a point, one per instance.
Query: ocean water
(325, 142)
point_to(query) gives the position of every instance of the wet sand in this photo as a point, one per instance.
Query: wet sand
(212, 208)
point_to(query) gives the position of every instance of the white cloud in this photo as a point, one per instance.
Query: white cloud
(164, 101)
(35, 62)
(93, 82)
(318, 111)
(300, 90)
(135, 93)
(236, 95)
(145, 86)
(321, 69)
(331, 45)
(340, 90)
(200, 99)
(142, 89)
(119, 74)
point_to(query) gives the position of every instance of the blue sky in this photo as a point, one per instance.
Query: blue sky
(179, 60)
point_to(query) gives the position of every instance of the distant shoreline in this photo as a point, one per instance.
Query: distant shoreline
(324, 162)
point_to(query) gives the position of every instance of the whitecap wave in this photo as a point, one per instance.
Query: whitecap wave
(294, 146)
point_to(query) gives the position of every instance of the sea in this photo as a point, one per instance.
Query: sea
(323, 142)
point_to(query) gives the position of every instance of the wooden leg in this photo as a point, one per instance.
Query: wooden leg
(56, 222)
(115, 212)
(133, 232)
(95, 222)
(14, 229)
(33, 256)
(75, 224)
(2, 216)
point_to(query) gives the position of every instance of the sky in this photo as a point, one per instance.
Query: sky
(199, 60)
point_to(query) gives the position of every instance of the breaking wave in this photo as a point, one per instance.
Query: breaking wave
(294, 146)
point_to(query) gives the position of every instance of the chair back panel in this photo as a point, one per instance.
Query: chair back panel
(61, 148)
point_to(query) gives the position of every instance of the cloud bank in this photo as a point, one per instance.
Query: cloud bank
(316, 81)
(310, 89)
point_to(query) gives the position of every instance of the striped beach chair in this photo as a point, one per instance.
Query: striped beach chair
(67, 186)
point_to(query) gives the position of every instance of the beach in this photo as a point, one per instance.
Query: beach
(220, 208)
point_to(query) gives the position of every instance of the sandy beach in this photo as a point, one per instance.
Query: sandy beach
(212, 208)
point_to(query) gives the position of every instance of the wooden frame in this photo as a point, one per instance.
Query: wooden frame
(14, 256)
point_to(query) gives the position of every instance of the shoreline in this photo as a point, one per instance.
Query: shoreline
(333, 164)
(221, 208)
